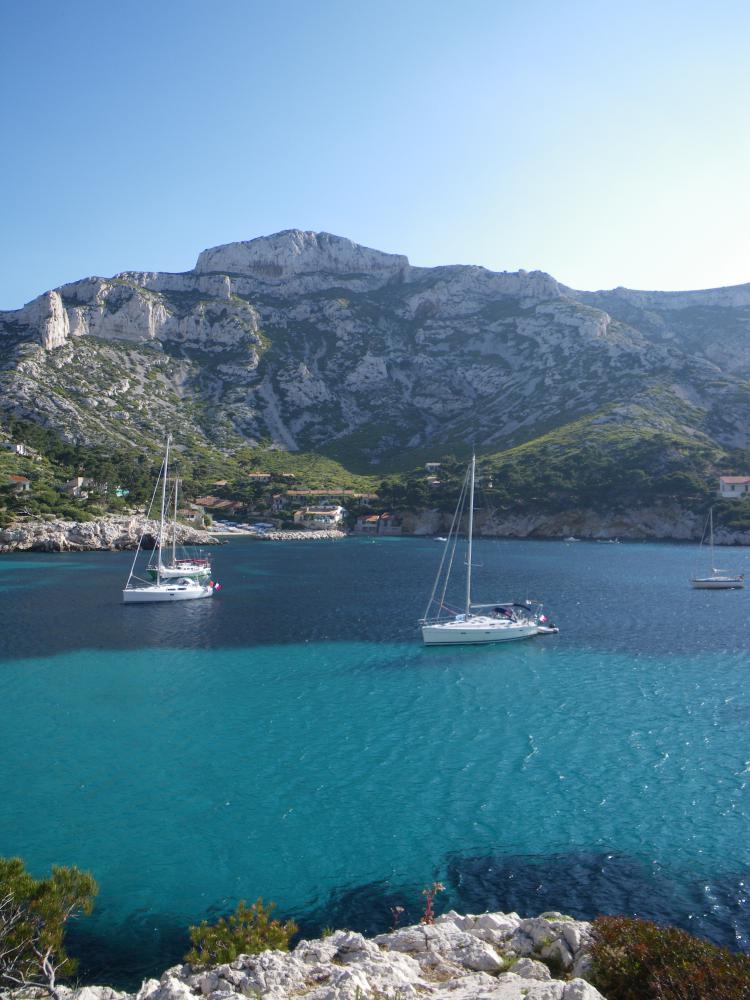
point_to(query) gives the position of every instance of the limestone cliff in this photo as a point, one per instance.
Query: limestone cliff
(309, 341)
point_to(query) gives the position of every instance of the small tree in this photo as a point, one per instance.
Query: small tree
(33, 915)
(247, 931)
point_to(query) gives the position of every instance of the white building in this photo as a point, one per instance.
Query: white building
(734, 487)
(21, 449)
(319, 517)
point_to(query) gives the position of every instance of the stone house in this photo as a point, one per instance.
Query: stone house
(78, 486)
(19, 484)
(734, 487)
(378, 524)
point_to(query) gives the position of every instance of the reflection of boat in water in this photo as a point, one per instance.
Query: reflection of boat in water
(477, 623)
(178, 580)
(719, 579)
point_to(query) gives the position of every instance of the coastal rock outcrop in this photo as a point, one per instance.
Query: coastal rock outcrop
(498, 956)
(106, 533)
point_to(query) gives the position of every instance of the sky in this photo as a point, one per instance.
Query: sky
(606, 143)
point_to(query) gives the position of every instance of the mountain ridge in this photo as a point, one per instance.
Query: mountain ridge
(309, 342)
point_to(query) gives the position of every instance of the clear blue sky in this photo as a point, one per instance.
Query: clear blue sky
(607, 143)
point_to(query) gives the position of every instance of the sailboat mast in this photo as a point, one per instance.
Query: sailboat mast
(711, 535)
(174, 523)
(471, 533)
(163, 505)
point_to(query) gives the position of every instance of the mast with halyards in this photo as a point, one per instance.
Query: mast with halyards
(163, 507)
(470, 535)
(174, 523)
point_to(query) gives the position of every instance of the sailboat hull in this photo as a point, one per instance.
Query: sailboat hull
(475, 631)
(718, 583)
(165, 593)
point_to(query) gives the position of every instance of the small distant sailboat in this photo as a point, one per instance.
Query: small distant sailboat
(719, 579)
(498, 622)
(169, 583)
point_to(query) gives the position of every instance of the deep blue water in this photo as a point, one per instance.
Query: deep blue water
(292, 739)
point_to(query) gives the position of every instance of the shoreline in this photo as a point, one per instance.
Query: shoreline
(458, 956)
(118, 533)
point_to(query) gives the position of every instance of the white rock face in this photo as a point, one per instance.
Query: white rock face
(48, 316)
(294, 252)
(107, 533)
(451, 959)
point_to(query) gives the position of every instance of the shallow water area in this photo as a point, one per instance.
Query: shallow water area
(292, 738)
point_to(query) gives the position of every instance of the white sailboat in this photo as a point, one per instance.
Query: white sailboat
(193, 567)
(477, 623)
(166, 586)
(718, 579)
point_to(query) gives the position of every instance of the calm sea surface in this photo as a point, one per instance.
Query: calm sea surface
(292, 739)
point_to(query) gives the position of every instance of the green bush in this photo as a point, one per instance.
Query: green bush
(639, 960)
(33, 915)
(247, 931)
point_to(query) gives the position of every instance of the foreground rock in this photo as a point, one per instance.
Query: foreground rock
(104, 534)
(495, 955)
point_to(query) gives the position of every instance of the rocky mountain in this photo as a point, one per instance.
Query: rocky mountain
(307, 341)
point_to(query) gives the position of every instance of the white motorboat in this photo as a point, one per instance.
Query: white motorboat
(177, 580)
(717, 579)
(477, 623)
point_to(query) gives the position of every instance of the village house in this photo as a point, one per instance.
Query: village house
(278, 502)
(19, 484)
(433, 482)
(21, 449)
(193, 513)
(433, 466)
(734, 487)
(259, 477)
(329, 495)
(215, 505)
(319, 517)
(367, 524)
(378, 524)
(78, 487)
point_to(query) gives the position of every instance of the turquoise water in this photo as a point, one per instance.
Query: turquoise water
(292, 739)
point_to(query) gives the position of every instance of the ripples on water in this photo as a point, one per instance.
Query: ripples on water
(292, 739)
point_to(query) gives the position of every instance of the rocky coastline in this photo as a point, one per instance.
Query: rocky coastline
(669, 524)
(501, 956)
(108, 534)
